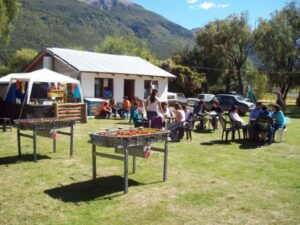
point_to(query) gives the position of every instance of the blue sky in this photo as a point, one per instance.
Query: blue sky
(196, 13)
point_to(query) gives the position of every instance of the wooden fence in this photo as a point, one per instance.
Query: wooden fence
(76, 111)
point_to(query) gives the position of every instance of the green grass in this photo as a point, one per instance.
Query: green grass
(209, 182)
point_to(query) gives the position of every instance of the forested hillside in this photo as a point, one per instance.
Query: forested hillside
(84, 24)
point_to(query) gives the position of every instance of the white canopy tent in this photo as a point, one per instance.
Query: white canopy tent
(40, 76)
(6, 79)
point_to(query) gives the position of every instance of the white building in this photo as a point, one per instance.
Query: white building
(105, 75)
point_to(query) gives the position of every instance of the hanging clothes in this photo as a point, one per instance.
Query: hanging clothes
(23, 87)
(76, 93)
(18, 85)
(73, 86)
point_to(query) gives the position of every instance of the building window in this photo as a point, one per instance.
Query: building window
(148, 86)
(103, 88)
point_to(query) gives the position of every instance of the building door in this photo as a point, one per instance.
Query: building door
(129, 89)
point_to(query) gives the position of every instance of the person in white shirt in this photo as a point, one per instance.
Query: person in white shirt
(153, 105)
(235, 117)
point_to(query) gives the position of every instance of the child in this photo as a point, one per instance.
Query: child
(135, 115)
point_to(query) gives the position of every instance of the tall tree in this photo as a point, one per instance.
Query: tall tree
(236, 41)
(21, 59)
(222, 49)
(278, 45)
(187, 80)
(8, 12)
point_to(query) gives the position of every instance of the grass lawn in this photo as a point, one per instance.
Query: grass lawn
(209, 182)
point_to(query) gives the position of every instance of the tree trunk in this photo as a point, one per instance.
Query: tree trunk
(286, 90)
(227, 82)
(240, 82)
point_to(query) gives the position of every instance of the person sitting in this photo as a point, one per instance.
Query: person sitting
(237, 121)
(278, 117)
(165, 114)
(264, 112)
(104, 111)
(255, 113)
(235, 117)
(201, 114)
(188, 114)
(124, 112)
(263, 126)
(216, 108)
(112, 104)
(141, 107)
(176, 127)
(135, 115)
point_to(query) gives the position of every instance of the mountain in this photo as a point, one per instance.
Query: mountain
(82, 24)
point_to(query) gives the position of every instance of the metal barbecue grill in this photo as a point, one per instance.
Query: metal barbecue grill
(43, 127)
(133, 142)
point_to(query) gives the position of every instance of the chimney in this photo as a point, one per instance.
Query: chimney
(48, 62)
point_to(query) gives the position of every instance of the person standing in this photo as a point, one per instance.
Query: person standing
(153, 105)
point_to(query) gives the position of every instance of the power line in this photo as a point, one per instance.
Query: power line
(243, 70)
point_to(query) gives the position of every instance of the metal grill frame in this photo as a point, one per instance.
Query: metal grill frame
(127, 143)
(38, 124)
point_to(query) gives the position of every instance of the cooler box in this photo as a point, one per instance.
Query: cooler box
(93, 105)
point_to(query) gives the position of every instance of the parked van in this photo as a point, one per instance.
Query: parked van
(173, 98)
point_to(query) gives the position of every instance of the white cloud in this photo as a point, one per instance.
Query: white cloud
(191, 1)
(210, 5)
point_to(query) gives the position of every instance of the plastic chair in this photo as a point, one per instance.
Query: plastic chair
(226, 130)
(280, 132)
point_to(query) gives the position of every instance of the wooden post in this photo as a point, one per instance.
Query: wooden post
(55, 110)
(34, 145)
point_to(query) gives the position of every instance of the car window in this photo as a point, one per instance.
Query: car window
(228, 100)
(170, 97)
(180, 96)
(239, 98)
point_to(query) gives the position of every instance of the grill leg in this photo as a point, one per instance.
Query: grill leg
(94, 161)
(34, 145)
(54, 145)
(166, 160)
(126, 170)
(134, 165)
(71, 140)
(4, 125)
(19, 142)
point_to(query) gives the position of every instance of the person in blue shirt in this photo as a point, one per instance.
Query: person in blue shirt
(254, 114)
(136, 116)
(270, 134)
(264, 112)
